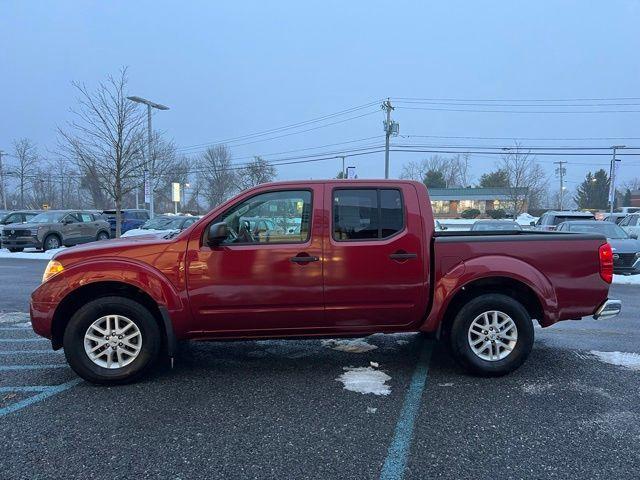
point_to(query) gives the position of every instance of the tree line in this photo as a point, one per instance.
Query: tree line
(100, 159)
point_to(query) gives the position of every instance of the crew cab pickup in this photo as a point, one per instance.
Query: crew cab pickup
(339, 258)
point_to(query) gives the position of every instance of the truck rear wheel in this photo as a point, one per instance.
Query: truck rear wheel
(491, 335)
(111, 340)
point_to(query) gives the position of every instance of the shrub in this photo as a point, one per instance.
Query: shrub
(470, 213)
(497, 214)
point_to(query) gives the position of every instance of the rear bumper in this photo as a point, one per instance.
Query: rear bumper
(610, 308)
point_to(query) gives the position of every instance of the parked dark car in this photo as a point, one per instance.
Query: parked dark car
(131, 218)
(625, 246)
(54, 229)
(551, 219)
(614, 217)
(495, 225)
(21, 216)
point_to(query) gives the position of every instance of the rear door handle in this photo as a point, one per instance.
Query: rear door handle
(304, 259)
(403, 256)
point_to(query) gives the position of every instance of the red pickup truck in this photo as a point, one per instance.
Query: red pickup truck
(318, 259)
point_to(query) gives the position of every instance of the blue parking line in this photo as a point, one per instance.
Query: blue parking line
(32, 352)
(398, 453)
(18, 340)
(5, 368)
(48, 392)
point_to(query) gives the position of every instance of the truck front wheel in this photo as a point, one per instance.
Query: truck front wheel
(491, 335)
(111, 340)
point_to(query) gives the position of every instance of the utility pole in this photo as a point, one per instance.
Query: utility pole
(390, 128)
(2, 184)
(150, 167)
(343, 172)
(612, 176)
(561, 171)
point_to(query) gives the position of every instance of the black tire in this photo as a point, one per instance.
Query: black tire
(15, 250)
(51, 241)
(459, 340)
(102, 236)
(80, 362)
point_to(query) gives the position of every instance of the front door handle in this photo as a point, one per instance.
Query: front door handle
(402, 255)
(304, 258)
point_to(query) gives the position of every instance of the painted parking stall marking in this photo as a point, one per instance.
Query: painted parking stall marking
(10, 351)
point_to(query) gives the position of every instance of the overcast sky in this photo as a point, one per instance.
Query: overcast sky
(227, 69)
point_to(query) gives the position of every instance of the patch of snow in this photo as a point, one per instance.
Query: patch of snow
(402, 342)
(357, 345)
(626, 279)
(371, 410)
(365, 380)
(15, 317)
(448, 384)
(537, 388)
(30, 254)
(374, 364)
(622, 359)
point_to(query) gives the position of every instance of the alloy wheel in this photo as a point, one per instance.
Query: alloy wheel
(492, 335)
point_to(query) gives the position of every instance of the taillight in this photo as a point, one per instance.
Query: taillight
(606, 262)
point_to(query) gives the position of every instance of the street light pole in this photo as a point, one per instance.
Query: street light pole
(150, 164)
(612, 177)
(2, 184)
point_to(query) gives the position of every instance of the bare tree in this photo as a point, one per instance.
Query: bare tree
(631, 184)
(527, 180)
(43, 186)
(256, 172)
(454, 169)
(26, 155)
(104, 139)
(217, 176)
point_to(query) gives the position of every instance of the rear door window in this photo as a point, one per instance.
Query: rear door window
(367, 214)
(86, 217)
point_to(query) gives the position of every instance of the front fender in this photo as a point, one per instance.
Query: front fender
(491, 266)
(48, 296)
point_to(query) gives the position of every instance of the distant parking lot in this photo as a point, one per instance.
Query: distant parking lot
(293, 409)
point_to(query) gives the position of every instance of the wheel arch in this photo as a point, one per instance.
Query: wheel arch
(503, 285)
(89, 292)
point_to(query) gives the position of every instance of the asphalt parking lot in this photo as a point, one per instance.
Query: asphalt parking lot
(276, 409)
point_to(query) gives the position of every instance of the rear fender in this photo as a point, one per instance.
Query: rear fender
(485, 267)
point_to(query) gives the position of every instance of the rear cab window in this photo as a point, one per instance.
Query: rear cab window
(367, 213)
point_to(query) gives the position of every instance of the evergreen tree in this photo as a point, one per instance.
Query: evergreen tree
(626, 200)
(499, 178)
(434, 179)
(593, 192)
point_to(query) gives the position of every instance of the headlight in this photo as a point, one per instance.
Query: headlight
(53, 268)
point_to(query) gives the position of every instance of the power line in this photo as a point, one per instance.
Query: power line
(518, 99)
(282, 128)
(538, 105)
(517, 111)
(459, 137)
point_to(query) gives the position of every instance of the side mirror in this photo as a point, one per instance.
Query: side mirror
(66, 221)
(634, 235)
(217, 233)
(533, 224)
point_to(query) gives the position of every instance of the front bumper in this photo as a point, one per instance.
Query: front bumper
(610, 308)
(21, 242)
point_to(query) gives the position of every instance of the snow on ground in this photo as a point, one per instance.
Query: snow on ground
(30, 254)
(352, 346)
(365, 380)
(626, 279)
(22, 318)
(622, 359)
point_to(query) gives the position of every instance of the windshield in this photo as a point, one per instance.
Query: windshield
(158, 223)
(608, 229)
(48, 217)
